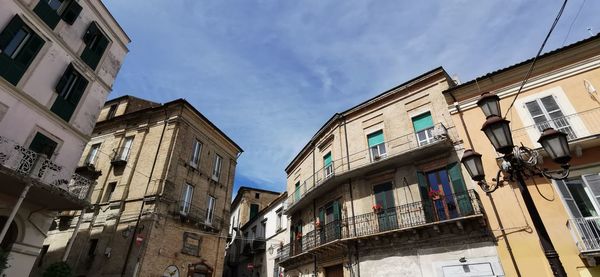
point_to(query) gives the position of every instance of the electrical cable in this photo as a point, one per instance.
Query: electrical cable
(562, 8)
(573, 22)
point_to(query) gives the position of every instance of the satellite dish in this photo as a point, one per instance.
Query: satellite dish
(171, 271)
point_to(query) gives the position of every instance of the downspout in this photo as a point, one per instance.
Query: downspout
(315, 237)
(14, 211)
(139, 217)
(351, 197)
(173, 143)
(462, 120)
(74, 234)
(223, 217)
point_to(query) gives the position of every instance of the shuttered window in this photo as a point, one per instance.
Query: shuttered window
(546, 113)
(460, 190)
(376, 145)
(52, 11)
(423, 126)
(18, 47)
(95, 44)
(253, 210)
(42, 144)
(70, 88)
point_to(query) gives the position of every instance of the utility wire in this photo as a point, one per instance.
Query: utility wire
(562, 8)
(573, 22)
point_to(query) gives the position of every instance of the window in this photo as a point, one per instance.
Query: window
(376, 145)
(41, 144)
(125, 149)
(546, 113)
(210, 211)
(423, 126)
(217, 168)
(328, 165)
(109, 191)
(253, 210)
(52, 11)
(263, 229)
(278, 222)
(92, 155)
(95, 44)
(18, 47)
(297, 191)
(112, 111)
(253, 232)
(186, 199)
(257, 195)
(70, 88)
(196, 153)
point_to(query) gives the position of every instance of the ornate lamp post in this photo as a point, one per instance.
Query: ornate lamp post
(520, 162)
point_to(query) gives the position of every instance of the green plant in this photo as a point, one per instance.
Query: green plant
(3, 261)
(59, 269)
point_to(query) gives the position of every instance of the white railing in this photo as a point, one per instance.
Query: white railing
(28, 163)
(586, 233)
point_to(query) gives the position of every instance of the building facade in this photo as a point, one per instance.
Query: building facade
(165, 187)
(562, 94)
(250, 207)
(379, 191)
(58, 61)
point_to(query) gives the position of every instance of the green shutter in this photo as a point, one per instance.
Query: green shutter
(71, 12)
(427, 202)
(322, 216)
(422, 122)
(47, 14)
(375, 138)
(460, 190)
(13, 69)
(10, 31)
(336, 210)
(92, 55)
(253, 210)
(327, 159)
(65, 108)
(43, 145)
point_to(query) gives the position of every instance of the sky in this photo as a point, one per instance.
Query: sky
(269, 73)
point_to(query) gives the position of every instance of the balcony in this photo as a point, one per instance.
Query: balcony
(192, 215)
(582, 128)
(54, 186)
(392, 153)
(450, 209)
(586, 233)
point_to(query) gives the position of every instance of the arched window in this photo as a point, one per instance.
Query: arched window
(200, 270)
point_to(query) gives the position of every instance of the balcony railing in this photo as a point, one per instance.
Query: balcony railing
(586, 232)
(577, 125)
(407, 216)
(189, 213)
(365, 157)
(25, 162)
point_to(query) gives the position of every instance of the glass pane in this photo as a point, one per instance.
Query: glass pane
(16, 43)
(549, 103)
(534, 109)
(55, 4)
(581, 198)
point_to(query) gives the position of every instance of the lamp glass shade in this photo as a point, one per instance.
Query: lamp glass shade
(556, 144)
(472, 162)
(498, 132)
(489, 104)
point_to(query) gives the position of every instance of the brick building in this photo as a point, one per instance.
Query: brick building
(162, 197)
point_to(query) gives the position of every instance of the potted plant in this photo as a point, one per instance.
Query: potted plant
(318, 223)
(298, 236)
(435, 194)
(377, 208)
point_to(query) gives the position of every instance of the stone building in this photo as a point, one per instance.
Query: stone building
(253, 248)
(248, 204)
(162, 197)
(379, 191)
(58, 61)
(562, 93)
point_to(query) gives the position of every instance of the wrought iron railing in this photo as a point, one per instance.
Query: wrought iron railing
(586, 233)
(25, 162)
(575, 125)
(195, 215)
(443, 208)
(365, 157)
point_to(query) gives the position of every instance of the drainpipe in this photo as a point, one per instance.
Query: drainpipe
(14, 211)
(74, 235)
(351, 196)
(139, 217)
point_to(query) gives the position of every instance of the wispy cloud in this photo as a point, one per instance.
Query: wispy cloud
(270, 73)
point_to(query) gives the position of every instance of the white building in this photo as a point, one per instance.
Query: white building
(58, 62)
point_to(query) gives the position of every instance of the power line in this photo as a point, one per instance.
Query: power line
(562, 8)
(573, 22)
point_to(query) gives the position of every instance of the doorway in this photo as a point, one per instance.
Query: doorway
(334, 271)
(384, 200)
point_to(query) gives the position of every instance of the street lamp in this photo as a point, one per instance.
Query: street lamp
(518, 163)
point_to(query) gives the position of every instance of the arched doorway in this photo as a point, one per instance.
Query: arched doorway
(11, 235)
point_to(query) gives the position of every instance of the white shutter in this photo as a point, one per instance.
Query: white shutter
(566, 194)
(593, 182)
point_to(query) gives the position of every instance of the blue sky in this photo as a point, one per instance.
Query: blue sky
(269, 73)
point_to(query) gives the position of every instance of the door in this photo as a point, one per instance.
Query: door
(330, 219)
(334, 271)
(444, 205)
(546, 113)
(386, 215)
(579, 195)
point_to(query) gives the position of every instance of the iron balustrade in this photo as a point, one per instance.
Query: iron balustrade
(411, 215)
(575, 125)
(586, 233)
(25, 162)
(394, 147)
(195, 215)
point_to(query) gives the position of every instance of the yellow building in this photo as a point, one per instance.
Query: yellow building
(561, 94)
(379, 191)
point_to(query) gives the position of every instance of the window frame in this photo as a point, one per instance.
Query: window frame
(216, 174)
(196, 153)
(187, 196)
(92, 154)
(210, 210)
(380, 147)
